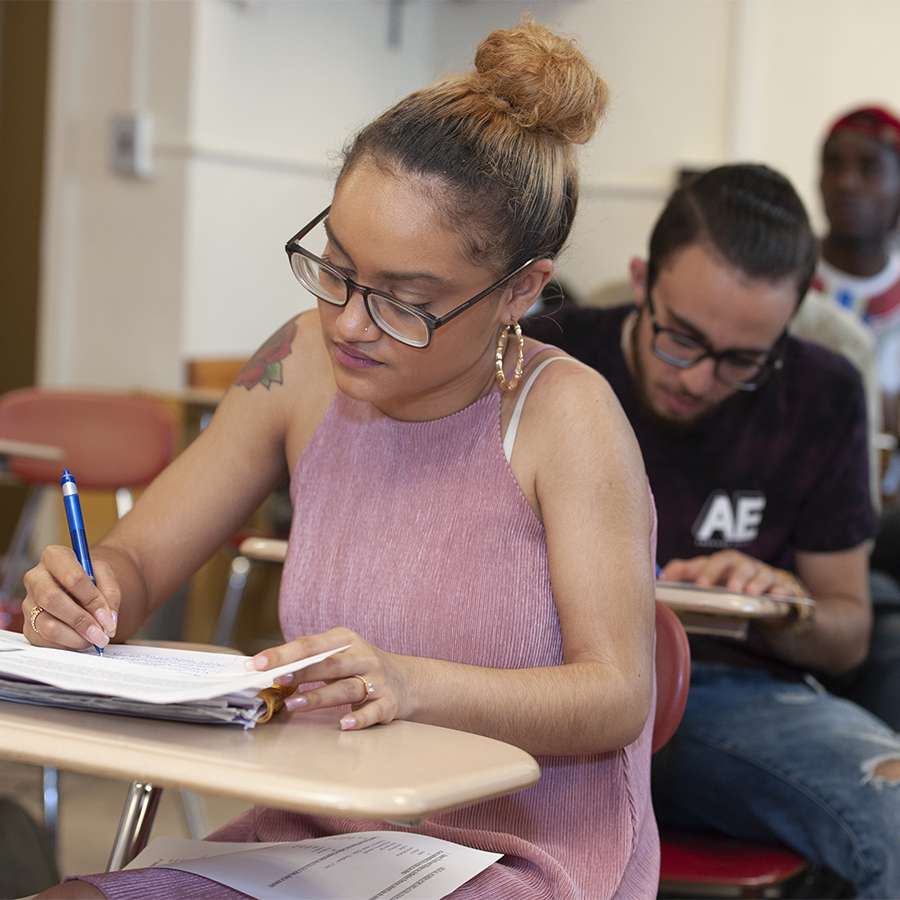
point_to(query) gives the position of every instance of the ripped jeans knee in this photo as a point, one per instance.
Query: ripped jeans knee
(882, 771)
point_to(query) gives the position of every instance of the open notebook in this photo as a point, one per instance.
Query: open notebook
(155, 682)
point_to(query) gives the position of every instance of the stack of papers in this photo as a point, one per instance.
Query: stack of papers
(155, 682)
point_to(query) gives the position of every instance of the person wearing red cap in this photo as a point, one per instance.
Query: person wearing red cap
(860, 185)
(859, 268)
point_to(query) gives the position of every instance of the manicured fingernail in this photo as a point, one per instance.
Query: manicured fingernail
(258, 663)
(295, 702)
(347, 723)
(284, 680)
(106, 622)
(97, 637)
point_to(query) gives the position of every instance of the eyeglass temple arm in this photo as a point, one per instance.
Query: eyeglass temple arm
(442, 320)
(306, 229)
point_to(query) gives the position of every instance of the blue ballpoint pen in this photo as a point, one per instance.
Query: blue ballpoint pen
(76, 527)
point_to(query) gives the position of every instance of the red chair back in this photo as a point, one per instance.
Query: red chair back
(673, 674)
(108, 440)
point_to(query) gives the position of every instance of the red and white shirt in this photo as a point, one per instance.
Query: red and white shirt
(876, 300)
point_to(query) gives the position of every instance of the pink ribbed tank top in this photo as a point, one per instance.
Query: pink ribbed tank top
(417, 536)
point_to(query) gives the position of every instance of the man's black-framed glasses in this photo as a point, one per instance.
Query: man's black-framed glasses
(744, 370)
(404, 322)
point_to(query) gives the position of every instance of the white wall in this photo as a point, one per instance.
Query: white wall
(667, 68)
(254, 99)
(811, 60)
(113, 249)
(278, 88)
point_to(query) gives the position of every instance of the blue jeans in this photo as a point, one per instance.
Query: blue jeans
(764, 759)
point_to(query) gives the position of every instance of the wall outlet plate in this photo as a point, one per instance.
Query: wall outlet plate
(131, 150)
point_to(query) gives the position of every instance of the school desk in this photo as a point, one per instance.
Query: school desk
(401, 772)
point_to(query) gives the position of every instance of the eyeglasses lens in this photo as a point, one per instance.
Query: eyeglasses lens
(398, 321)
(682, 351)
(319, 280)
(326, 284)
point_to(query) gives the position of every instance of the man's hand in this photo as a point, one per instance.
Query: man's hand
(735, 571)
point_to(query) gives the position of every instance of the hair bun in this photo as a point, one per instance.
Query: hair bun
(541, 80)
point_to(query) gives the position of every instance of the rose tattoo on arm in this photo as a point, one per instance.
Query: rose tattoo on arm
(264, 367)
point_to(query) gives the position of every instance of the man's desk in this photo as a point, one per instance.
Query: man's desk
(402, 772)
(719, 612)
(701, 610)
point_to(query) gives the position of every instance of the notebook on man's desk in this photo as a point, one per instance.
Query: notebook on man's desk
(152, 682)
(716, 611)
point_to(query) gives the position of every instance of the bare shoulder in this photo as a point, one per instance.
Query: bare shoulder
(294, 348)
(573, 428)
(290, 366)
(285, 382)
(575, 398)
(579, 451)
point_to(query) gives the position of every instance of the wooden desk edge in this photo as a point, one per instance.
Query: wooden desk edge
(264, 549)
(726, 604)
(27, 450)
(91, 754)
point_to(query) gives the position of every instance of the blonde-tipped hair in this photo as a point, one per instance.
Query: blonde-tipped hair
(497, 143)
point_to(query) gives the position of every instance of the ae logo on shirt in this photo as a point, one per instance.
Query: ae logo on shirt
(729, 520)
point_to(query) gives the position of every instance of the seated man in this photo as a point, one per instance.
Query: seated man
(755, 444)
(859, 270)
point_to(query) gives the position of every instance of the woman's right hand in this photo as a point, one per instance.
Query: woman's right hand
(64, 608)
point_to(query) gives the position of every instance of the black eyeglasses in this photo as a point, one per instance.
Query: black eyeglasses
(743, 370)
(402, 321)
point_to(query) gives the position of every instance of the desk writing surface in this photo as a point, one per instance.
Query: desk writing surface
(723, 613)
(717, 601)
(403, 771)
(206, 398)
(26, 449)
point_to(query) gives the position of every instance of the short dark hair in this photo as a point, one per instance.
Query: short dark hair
(749, 214)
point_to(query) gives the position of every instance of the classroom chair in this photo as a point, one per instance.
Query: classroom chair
(250, 550)
(110, 441)
(700, 864)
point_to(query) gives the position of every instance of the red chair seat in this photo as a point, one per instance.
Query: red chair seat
(709, 859)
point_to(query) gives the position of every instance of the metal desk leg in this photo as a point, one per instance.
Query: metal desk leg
(135, 824)
(50, 777)
(231, 602)
(193, 810)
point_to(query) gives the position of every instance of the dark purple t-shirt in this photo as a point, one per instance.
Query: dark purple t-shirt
(772, 471)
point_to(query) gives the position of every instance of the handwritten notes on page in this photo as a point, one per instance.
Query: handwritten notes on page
(365, 865)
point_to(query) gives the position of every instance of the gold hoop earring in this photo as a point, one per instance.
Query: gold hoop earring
(513, 382)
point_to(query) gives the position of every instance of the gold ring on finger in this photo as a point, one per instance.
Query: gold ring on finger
(34, 614)
(367, 685)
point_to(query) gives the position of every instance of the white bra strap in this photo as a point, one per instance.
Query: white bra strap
(509, 441)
